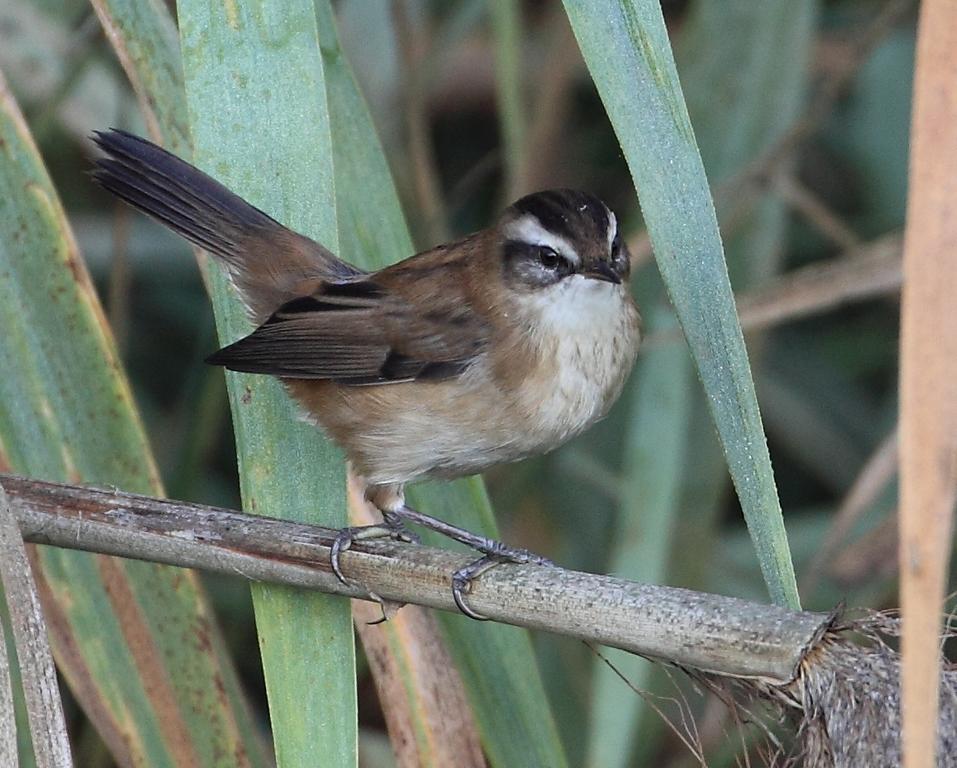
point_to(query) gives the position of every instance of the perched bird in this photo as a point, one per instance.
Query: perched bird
(489, 349)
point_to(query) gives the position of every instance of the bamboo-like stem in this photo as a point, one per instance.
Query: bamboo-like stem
(928, 383)
(711, 633)
(51, 745)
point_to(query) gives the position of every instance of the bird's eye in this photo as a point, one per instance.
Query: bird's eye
(616, 244)
(548, 257)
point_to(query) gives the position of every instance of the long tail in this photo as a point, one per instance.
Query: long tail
(266, 261)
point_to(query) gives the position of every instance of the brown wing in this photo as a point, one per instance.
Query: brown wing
(358, 332)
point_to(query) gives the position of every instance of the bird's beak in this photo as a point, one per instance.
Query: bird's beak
(602, 270)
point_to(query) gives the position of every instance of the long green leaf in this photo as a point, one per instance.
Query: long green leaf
(497, 663)
(625, 45)
(259, 122)
(136, 642)
(756, 56)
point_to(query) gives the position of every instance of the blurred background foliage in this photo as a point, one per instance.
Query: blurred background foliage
(477, 102)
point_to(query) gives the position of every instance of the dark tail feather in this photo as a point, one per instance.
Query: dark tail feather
(180, 195)
(266, 260)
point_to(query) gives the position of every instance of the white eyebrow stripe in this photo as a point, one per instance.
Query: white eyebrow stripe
(612, 228)
(528, 229)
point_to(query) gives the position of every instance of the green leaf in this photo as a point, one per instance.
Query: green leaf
(625, 45)
(135, 641)
(147, 44)
(259, 122)
(497, 663)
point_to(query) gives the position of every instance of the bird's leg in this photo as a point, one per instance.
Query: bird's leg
(390, 501)
(493, 553)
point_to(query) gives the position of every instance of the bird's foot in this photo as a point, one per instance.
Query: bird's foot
(391, 527)
(493, 553)
(497, 554)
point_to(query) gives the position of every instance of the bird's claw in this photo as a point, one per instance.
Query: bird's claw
(498, 554)
(390, 528)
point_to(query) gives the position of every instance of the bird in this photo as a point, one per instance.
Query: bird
(498, 346)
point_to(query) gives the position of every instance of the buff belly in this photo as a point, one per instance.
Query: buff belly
(398, 433)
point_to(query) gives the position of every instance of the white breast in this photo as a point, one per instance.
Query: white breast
(589, 328)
